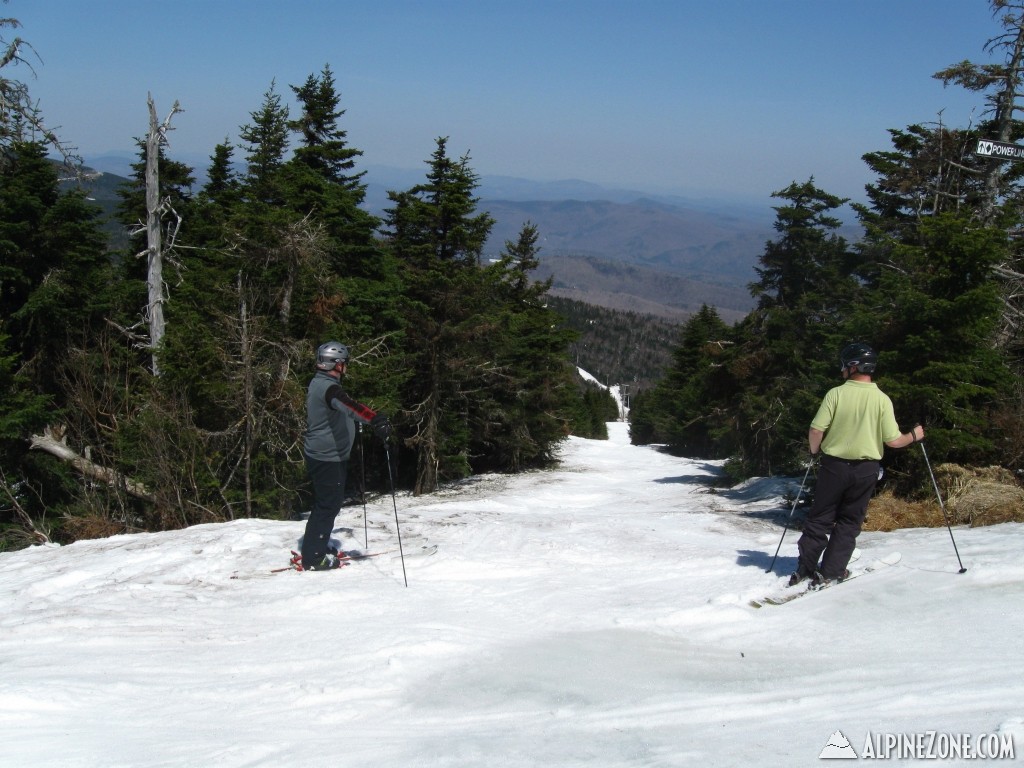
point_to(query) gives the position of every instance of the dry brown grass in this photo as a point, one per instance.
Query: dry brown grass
(973, 496)
(91, 527)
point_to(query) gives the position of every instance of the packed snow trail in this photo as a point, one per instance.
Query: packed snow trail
(595, 615)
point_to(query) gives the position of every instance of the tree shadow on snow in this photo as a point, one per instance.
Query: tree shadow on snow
(752, 558)
(708, 481)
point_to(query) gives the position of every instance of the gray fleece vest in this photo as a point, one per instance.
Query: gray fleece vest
(330, 426)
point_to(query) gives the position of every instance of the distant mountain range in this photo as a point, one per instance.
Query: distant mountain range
(662, 255)
(643, 255)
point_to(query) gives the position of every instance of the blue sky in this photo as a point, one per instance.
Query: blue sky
(719, 99)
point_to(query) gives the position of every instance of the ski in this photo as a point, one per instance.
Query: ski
(423, 551)
(875, 565)
(347, 558)
(415, 552)
(344, 557)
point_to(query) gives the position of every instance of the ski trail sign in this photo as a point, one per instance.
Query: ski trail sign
(999, 150)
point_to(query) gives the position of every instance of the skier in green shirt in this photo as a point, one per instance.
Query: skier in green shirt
(853, 424)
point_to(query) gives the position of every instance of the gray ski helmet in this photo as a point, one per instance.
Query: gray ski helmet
(330, 354)
(859, 354)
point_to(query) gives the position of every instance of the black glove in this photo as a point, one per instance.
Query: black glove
(382, 426)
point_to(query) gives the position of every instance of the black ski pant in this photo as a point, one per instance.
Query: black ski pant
(841, 497)
(328, 495)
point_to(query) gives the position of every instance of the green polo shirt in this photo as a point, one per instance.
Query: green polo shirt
(857, 419)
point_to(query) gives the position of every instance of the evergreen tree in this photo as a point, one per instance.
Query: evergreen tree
(324, 185)
(266, 142)
(438, 238)
(689, 410)
(27, 484)
(927, 171)
(53, 264)
(524, 410)
(205, 296)
(222, 188)
(323, 147)
(598, 408)
(54, 274)
(784, 345)
(352, 295)
(932, 317)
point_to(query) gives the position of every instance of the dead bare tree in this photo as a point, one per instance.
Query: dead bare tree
(1003, 84)
(156, 210)
(20, 118)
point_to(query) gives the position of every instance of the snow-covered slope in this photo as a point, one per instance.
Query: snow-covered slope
(614, 390)
(597, 615)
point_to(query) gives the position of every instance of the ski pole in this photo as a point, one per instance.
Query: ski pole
(790, 518)
(942, 506)
(362, 485)
(394, 502)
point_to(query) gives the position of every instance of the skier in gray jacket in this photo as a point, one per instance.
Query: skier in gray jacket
(331, 417)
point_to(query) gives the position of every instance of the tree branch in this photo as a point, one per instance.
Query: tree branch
(23, 515)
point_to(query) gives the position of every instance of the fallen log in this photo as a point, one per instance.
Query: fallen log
(53, 441)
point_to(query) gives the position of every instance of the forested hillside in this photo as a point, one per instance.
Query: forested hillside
(632, 288)
(618, 347)
(643, 255)
(695, 244)
(102, 190)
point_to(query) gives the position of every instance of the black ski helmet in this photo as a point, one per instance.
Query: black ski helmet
(859, 354)
(330, 354)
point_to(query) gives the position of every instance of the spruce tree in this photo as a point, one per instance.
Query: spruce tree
(266, 142)
(932, 317)
(689, 409)
(54, 269)
(784, 348)
(54, 278)
(524, 411)
(322, 142)
(438, 238)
